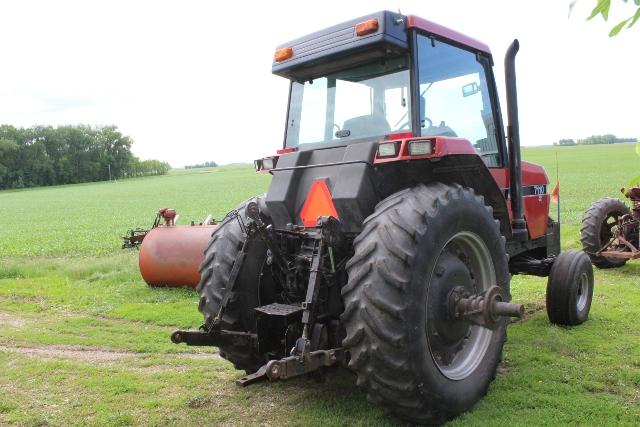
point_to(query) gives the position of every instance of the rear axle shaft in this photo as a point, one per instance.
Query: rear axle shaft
(484, 309)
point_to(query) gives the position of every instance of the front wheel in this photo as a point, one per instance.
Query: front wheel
(570, 289)
(408, 352)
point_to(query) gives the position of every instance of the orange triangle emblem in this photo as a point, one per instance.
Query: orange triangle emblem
(319, 203)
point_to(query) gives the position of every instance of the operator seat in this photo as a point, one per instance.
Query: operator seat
(368, 125)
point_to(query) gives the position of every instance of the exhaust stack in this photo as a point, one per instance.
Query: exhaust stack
(518, 224)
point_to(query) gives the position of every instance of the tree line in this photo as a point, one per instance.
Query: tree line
(44, 155)
(596, 139)
(210, 164)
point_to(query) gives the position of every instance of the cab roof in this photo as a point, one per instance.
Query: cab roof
(341, 46)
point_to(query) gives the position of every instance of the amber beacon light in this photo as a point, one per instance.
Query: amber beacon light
(367, 27)
(283, 54)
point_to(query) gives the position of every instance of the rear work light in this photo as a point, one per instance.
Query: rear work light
(367, 27)
(265, 164)
(388, 149)
(283, 54)
(421, 147)
(268, 163)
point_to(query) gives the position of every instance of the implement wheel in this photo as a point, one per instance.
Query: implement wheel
(570, 289)
(597, 230)
(220, 255)
(409, 353)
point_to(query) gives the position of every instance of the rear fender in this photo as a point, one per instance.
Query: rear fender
(467, 170)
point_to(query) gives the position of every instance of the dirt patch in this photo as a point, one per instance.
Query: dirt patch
(530, 310)
(96, 355)
(7, 319)
(503, 368)
(86, 354)
(199, 402)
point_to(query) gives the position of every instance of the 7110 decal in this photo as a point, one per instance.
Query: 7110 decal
(539, 190)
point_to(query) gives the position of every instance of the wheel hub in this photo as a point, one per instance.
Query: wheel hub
(456, 345)
(583, 291)
(450, 274)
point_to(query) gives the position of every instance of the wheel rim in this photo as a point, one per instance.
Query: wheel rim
(583, 292)
(607, 226)
(456, 346)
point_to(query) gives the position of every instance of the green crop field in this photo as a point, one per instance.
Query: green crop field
(83, 341)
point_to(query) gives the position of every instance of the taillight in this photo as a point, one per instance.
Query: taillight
(400, 135)
(286, 150)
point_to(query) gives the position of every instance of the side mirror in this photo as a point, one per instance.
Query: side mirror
(470, 89)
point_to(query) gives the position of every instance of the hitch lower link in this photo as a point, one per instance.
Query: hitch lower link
(293, 366)
(484, 309)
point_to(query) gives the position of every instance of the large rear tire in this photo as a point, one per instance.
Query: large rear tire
(409, 355)
(596, 230)
(220, 255)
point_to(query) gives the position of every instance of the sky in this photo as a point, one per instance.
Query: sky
(191, 81)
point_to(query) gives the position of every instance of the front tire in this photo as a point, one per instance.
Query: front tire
(570, 289)
(409, 356)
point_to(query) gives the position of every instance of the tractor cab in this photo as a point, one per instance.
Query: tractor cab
(385, 76)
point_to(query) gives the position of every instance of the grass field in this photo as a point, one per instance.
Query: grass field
(84, 341)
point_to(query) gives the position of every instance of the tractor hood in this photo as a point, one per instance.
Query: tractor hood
(347, 172)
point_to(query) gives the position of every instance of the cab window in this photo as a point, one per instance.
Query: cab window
(454, 97)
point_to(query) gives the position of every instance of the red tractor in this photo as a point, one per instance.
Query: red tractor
(396, 216)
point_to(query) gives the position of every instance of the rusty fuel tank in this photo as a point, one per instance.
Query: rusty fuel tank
(170, 255)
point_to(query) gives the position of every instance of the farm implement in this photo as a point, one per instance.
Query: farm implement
(610, 231)
(397, 213)
(170, 255)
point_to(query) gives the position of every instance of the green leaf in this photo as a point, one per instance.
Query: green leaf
(602, 8)
(635, 18)
(615, 30)
(634, 181)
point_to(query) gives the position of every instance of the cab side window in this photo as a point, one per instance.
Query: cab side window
(454, 97)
